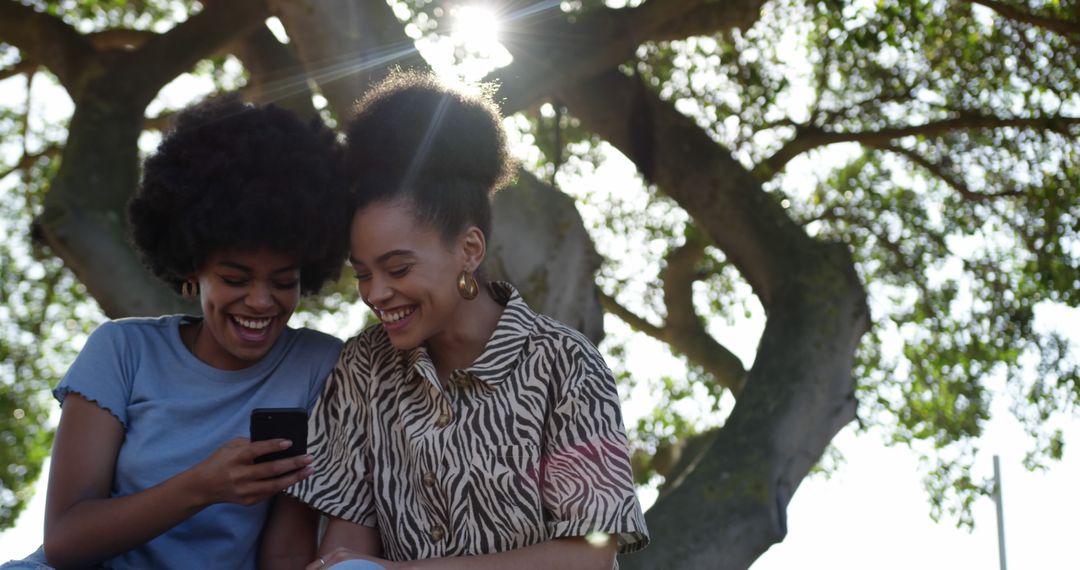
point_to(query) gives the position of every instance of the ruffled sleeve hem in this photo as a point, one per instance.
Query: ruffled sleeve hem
(61, 392)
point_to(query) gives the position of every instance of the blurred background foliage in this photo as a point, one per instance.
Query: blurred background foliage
(937, 139)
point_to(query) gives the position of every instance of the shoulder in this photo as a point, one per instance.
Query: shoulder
(548, 338)
(140, 325)
(550, 328)
(132, 330)
(575, 361)
(548, 331)
(539, 327)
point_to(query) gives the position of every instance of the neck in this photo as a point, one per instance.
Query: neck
(464, 341)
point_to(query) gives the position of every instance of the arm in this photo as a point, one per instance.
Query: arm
(342, 535)
(83, 525)
(570, 553)
(289, 539)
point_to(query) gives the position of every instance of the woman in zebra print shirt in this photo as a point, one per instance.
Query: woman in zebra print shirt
(464, 430)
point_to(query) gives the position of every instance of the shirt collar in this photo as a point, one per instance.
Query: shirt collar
(502, 351)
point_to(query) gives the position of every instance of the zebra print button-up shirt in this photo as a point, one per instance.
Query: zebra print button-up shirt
(525, 445)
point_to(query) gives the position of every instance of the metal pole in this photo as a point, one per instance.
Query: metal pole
(1000, 512)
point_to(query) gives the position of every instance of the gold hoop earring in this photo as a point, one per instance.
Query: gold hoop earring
(189, 289)
(466, 286)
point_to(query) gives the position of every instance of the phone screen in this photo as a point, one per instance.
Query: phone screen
(287, 423)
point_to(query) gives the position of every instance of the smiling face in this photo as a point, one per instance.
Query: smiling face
(247, 299)
(407, 273)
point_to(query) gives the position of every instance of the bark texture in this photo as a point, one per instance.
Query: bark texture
(540, 244)
(726, 498)
(800, 391)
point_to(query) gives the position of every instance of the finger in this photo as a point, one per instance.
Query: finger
(278, 484)
(298, 475)
(324, 560)
(278, 467)
(257, 448)
(266, 487)
(289, 464)
(338, 555)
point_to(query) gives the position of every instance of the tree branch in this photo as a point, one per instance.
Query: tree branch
(162, 58)
(47, 40)
(23, 67)
(550, 52)
(120, 39)
(949, 178)
(708, 19)
(635, 321)
(275, 74)
(684, 329)
(1064, 27)
(810, 137)
(669, 149)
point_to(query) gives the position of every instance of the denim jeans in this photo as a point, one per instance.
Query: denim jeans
(356, 565)
(35, 561)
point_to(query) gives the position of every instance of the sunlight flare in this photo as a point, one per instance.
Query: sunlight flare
(476, 26)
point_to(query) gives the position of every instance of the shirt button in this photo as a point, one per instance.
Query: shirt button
(437, 533)
(443, 421)
(429, 479)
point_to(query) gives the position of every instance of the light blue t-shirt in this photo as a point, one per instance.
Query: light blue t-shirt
(176, 410)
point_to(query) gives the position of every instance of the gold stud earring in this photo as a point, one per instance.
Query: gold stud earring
(466, 286)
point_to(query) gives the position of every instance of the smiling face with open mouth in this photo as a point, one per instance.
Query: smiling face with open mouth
(247, 299)
(406, 273)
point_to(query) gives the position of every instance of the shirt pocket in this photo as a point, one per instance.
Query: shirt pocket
(506, 505)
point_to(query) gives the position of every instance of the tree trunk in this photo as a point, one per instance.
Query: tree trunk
(84, 220)
(540, 244)
(729, 505)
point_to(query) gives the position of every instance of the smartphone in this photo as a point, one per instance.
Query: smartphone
(287, 423)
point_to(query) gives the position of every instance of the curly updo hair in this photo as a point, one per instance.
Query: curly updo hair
(234, 176)
(442, 148)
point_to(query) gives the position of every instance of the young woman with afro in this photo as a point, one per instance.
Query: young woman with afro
(244, 208)
(464, 430)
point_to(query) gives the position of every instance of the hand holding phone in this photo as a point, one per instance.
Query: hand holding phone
(286, 423)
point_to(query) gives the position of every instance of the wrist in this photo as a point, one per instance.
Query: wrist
(192, 490)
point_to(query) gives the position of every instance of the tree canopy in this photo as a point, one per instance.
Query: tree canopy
(891, 185)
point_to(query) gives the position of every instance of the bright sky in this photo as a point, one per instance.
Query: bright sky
(872, 512)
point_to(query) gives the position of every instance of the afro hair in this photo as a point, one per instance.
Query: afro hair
(444, 149)
(234, 176)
